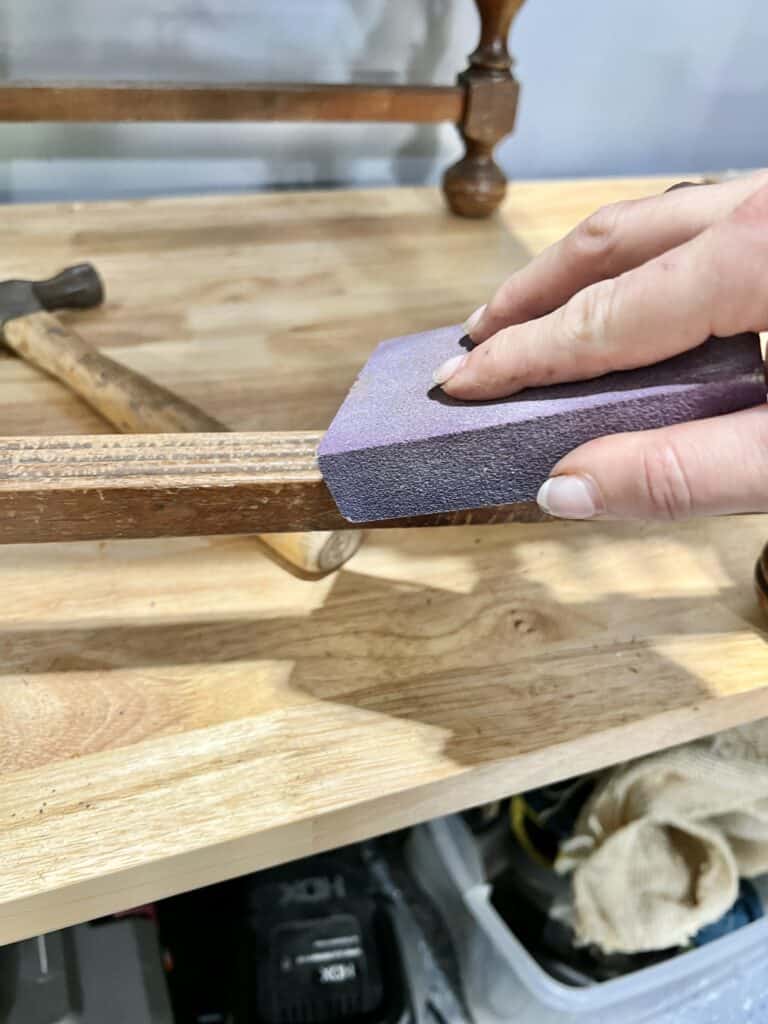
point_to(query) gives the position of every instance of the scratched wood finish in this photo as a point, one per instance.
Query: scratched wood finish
(227, 102)
(135, 404)
(174, 712)
(168, 485)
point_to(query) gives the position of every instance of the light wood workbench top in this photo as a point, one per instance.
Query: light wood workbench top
(172, 713)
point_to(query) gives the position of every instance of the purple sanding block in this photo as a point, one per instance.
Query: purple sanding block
(399, 446)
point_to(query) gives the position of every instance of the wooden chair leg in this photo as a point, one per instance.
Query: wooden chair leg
(475, 185)
(761, 579)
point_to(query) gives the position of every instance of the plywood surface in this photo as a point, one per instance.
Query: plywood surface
(176, 712)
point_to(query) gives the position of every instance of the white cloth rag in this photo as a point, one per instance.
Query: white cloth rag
(660, 845)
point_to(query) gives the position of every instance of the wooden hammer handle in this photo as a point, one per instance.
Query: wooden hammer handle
(136, 405)
(128, 400)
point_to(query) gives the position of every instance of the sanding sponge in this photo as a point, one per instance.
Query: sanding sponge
(400, 446)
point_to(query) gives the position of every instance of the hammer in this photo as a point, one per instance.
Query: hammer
(130, 401)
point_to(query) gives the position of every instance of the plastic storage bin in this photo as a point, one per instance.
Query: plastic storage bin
(503, 983)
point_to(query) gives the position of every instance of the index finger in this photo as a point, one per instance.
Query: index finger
(614, 239)
(713, 284)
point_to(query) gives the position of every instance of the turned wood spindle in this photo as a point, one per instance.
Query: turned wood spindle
(475, 185)
(761, 579)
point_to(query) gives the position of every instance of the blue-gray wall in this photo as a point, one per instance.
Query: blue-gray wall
(608, 88)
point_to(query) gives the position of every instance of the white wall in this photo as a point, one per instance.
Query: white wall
(608, 87)
(623, 86)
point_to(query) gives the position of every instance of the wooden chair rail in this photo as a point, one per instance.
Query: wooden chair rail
(99, 487)
(170, 101)
(482, 105)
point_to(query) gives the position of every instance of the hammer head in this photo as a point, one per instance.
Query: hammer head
(77, 287)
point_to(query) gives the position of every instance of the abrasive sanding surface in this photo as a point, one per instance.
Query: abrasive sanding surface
(399, 446)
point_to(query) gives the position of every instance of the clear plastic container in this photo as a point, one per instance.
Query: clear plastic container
(503, 983)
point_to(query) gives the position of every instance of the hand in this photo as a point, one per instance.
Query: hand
(635, 283)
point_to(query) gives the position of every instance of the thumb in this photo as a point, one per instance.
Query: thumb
(708, 467)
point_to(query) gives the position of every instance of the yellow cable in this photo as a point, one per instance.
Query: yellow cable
(519, 811)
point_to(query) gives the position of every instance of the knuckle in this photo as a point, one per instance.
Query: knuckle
(737, 261)
(665, 482)
(503, 301)
(754, 210)
(588, 316)
(747, 224)
(504, 360)
(597, 238)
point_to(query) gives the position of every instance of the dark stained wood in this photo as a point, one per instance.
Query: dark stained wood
(176, 485)
(475, 185)
(238, 102)
(761, 579)
(483, 104)
(135, 404)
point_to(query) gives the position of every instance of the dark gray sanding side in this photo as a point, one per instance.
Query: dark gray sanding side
(400, 447)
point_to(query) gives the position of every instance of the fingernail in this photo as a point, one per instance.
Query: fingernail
(472, 321)
(446, 371)
(570, 497)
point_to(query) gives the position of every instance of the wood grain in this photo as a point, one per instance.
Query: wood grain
(174, 712)
(129, 401)
(262, 309)
(229, 102)
(132, 402)
(170, 485)
(177, 712)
